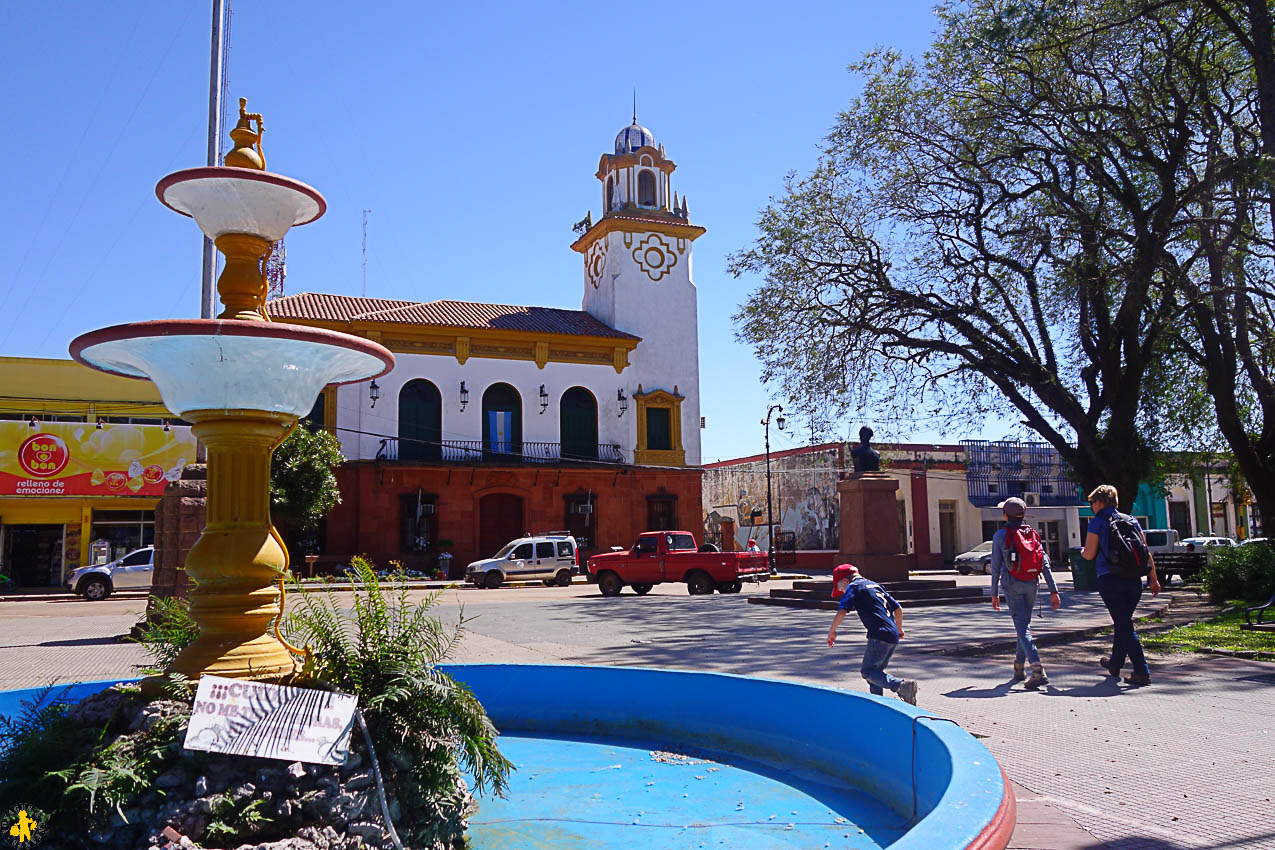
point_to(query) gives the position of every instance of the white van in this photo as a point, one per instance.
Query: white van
(552, 558)
(1163, 540)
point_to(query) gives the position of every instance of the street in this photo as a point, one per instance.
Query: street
(1185, 763)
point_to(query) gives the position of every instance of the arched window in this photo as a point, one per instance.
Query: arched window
(420, 421)
(646, 189)
(578, 424)
(502, 420)
(606, 199)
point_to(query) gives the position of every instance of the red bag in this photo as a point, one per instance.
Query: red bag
(1026, 554)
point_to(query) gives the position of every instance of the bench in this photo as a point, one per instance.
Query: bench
(1185, 565)
(1261, 610)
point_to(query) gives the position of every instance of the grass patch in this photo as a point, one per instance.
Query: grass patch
(1220, 632)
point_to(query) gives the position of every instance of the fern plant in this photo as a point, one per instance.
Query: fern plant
(169, 629)
(386, 652)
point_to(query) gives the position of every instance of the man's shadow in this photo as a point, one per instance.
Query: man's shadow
(1102, 688)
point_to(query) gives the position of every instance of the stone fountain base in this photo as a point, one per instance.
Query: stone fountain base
(199, 799)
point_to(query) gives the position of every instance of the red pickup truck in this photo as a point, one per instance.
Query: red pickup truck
(660, 556)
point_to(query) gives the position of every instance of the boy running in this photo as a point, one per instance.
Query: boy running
(882, 616)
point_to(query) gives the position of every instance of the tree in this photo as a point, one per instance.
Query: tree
(302, 486)
(986, 232)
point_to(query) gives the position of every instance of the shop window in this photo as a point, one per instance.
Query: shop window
(122, 531)
(418, 521)
(580, 518)
(659, 427)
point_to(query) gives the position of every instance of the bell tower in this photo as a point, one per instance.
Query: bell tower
(637, 276)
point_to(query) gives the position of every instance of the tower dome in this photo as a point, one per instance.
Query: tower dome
(633, 137)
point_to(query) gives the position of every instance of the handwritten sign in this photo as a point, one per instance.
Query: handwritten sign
(270, 721)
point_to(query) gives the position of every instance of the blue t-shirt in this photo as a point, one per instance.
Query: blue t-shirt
(873, 606)
(1101, 526)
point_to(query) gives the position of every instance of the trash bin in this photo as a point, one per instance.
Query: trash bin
(1084, 572)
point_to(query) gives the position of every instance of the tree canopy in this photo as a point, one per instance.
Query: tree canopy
(303, 488)
(1004, 226)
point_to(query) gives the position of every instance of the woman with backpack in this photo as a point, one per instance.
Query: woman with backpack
(1018, 562)
(1115, 541)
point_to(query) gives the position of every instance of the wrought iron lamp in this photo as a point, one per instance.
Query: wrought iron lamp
(374, 392)
(544, 400)
(464, 396)
(624, 402)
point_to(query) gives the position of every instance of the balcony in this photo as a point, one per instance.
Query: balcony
(474, 451)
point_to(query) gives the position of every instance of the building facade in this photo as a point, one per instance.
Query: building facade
(499, 420)
(84, 457)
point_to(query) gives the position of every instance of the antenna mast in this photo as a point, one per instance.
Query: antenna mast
(365, 212)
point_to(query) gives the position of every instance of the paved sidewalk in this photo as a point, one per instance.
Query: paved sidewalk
(1185, 763)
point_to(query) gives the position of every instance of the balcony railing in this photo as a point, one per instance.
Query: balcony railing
(476, 451)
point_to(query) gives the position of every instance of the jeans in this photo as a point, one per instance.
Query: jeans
(875, 656)
(1020, 596)
(1121, 596)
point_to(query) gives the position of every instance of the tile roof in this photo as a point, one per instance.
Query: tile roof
(455, 314)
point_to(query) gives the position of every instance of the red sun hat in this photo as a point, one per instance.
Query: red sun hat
(752, 542)
(838, 573)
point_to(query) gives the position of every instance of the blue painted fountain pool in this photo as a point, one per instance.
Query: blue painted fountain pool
(612, 757)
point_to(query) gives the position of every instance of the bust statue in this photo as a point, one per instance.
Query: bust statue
(866, 458)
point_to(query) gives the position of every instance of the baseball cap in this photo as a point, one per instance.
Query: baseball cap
(1013, 506)
(838, 573)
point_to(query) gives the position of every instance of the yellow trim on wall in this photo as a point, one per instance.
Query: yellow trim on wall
(537, 347)
(676, 456)
(44, 387)
(620, 224)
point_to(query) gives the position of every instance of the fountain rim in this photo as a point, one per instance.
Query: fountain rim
(226, 327)
(224, 172)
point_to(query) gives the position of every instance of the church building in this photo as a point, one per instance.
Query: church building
(500, 420)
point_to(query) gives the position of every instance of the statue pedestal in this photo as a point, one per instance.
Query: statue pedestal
(870, 526)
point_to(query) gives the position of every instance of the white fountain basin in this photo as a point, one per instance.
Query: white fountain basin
(240, 200)
(214, 364)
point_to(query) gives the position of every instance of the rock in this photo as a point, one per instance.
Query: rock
(201, 786)
(202, 806)
(296, 770)
(242, 792)
(327, 784)
(367, 830)
(353, 760)
(171, 778)
(153, 711)
(103, 706)
(401, 759)
(358, 782)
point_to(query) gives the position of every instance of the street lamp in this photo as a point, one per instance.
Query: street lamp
(374, 392)
(770, 520)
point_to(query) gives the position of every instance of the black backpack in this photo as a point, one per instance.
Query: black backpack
(1127, 555)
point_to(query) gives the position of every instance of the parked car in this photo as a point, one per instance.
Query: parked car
(1163, 540)
(1207, 542)
(131, 572)
(667, 556)
(1251, 540)
(551, 558)
(976, 560)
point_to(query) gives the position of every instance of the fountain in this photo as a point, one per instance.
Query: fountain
(243, 382)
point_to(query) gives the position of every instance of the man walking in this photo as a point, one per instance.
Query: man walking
(1115, 541)
(882, 616)
(1018, 561)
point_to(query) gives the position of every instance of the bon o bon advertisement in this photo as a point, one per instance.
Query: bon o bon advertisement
(80, 459)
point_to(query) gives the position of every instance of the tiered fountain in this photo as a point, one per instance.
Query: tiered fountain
(243, 382)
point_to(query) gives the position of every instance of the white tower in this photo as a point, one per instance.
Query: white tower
(637, 278)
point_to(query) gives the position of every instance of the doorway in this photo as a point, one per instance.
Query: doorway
(1050, 535)
(33, 554)
(947, 529)
(499, 521)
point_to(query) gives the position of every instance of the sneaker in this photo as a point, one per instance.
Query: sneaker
(907, 691)
(1019, 673)
(1136, 680)
(1038, 678)
(1113, 672)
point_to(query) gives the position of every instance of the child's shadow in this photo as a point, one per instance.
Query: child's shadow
(981, 693)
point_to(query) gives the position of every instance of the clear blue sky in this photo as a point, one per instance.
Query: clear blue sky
(472, 131)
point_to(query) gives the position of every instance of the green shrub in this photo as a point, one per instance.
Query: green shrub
(386, 652)
(1242, 572)
(169, 629)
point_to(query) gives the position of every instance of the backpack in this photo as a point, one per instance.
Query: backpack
(1127, 555)
(1026, 555)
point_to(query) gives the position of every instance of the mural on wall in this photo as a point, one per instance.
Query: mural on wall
(803, 498)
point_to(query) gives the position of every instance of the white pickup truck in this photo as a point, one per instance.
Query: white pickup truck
(1163, 540)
